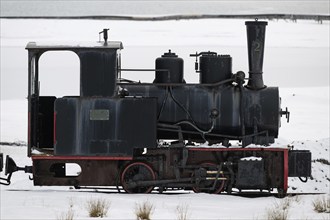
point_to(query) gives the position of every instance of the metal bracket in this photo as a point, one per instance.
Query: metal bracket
(7, 183)
(10, 168)
(286, 113)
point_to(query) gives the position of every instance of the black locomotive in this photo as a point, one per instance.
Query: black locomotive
(141, 136)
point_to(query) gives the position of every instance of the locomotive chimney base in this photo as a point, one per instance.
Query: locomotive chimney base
(256, 81)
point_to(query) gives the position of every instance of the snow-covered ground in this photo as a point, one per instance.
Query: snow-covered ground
(309, 106)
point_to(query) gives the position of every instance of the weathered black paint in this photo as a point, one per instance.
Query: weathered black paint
(97, 78)
(125, 124)
(98, 73)
(300, 162)
(214, 68)
(169, 68)
(261, 110)
(256, 32)
(251, 174)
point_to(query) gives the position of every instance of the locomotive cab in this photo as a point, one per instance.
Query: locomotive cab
(55, 122)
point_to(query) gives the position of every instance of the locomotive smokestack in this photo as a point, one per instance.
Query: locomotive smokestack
(256, 31)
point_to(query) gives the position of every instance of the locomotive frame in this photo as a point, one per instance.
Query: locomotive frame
(114, 130)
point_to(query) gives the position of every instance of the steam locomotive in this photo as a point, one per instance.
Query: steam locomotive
(144, 136)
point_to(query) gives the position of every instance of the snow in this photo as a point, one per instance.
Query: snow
(158, 8)
(299, 50)
(251, 158)
(308, 128)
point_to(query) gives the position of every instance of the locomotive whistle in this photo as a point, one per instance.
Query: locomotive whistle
(105, 35)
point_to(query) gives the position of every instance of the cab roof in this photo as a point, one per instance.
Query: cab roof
(75, 45)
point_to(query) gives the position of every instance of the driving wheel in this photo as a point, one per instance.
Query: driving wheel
(204, 184)
(135, 172)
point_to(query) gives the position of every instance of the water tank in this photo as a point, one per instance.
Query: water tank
(215, 68)
(169, 68)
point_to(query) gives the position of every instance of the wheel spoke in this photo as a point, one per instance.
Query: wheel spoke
(134, 172)
(209, 183)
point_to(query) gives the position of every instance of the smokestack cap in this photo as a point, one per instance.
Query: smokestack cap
(256, 22)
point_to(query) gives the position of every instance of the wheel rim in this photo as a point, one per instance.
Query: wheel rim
(137, 171)
(209, 183)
